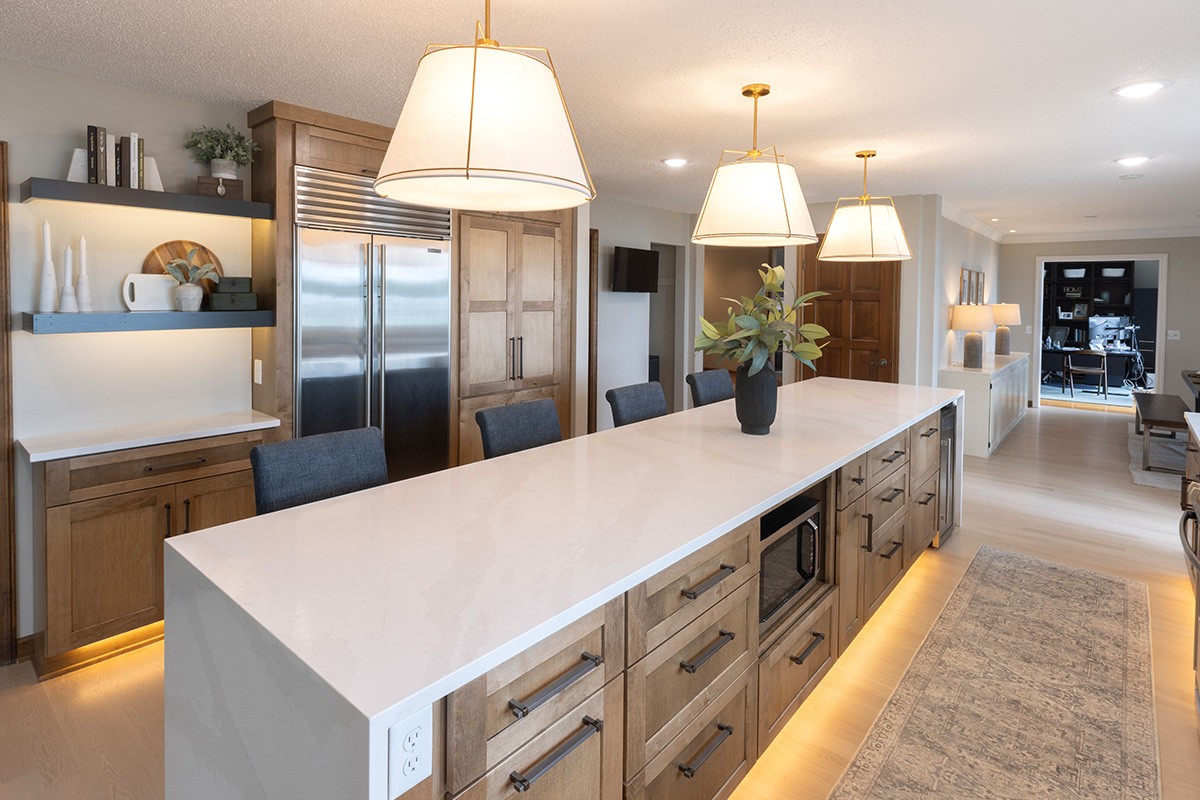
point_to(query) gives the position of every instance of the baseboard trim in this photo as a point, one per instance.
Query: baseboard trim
(52, 666)
(25, 646)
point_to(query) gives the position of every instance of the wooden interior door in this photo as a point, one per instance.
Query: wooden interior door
(487, 341)
(861, 312)
(537, 307)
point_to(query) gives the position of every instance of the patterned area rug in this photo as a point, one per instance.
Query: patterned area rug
(1034, 683)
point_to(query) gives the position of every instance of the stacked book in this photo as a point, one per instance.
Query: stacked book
(113, 161)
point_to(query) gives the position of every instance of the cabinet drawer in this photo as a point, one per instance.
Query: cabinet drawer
(925, 439)
(711, 755)
(922, 518)
(883, 564)
(887, 498)
(670, 687)
(883, 458)
(576, 758)
(851, 481)
(495, 714)
(662, 605)
(70, 480)
(792, 668)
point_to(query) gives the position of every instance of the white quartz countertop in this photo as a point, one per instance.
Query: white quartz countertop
(992, 364)
(398, 595)
(1193, 423)
(105, 440)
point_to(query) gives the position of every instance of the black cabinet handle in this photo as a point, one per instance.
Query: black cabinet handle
(691, 666)
(522, 781)
(187, 516)
(929, 433)
(689, 770)
(521, 371)
(895, 546)
(895, 493)
(725, 571)
(928, 498)
(870, 545)
(522, 707)
(894, 457)
(168, 507)
(858, 481)
(817, 639)
(177, 464)
(512, 347)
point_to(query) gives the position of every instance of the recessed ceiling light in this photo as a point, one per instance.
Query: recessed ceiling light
(995, 219)
(1132, 161)
(1133, 177)
(1141, 88)
(1091, 216)
(674, 162)
(1012, 230)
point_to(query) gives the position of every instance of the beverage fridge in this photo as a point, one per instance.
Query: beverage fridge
(372, 325)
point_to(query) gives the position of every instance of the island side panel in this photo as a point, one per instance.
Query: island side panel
(245, 718)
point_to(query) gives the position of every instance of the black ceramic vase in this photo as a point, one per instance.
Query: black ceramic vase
(755, 398)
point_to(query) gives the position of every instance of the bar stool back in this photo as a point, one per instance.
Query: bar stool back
(710, 386)
(312, 468)
(635, 403)
(519, 426)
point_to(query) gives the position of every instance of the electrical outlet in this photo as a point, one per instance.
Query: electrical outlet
(1173, 336)
(1028, 330)
(258, 371)
(410, 760)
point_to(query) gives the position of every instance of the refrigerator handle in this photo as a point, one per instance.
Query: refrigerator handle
(382, 348)
(369, 301)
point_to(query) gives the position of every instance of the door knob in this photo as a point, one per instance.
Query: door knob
(880, 363)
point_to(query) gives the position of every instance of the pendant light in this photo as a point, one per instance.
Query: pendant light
(485, 128)
(868, 231)
(754, 200)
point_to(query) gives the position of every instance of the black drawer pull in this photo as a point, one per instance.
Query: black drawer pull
(689, 770)
(168, 507)
(929, 433)
(691, 666)
(928, 498)
(870, 545)
(725, 572)
(177, 464)
(894, 457)
(859, 481)
(817, 639)
(895, 493)
(187, 516)
(521, 708)
(522, 782)
(895, 546)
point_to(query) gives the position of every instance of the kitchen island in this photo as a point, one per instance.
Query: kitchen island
(297, 640)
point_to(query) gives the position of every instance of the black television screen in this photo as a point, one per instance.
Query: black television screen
(635, 270)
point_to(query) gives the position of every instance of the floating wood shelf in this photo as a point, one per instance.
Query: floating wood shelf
(110, 321)
(47, 189)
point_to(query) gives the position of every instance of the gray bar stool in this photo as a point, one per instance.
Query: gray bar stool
(519, 426)
(638, 402)
(298, 471)
(710, 386)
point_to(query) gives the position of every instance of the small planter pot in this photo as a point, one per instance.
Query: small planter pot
(188, 297)
(755, 398)
(223, 168)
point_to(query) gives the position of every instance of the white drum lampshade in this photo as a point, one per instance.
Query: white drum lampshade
(485, 128)
(865, 229)
(972, 318)
(1005, 314)
(755, 203)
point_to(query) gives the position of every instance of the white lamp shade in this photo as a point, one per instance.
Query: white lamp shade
(484, 129)
(865, 232)
(755, 204)
(972, 318)
(1006, 313)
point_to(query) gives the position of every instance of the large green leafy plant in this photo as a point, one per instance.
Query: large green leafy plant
(760, 325)
(210, 143)
(185, 271)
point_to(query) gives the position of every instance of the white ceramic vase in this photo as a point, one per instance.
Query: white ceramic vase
(188, 297)
(223, 168)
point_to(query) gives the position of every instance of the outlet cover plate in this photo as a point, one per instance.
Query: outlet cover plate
(410, 752)
(1173, 336)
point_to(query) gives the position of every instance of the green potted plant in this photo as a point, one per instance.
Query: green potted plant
(757, 328)
(188, 275)
(222, 150)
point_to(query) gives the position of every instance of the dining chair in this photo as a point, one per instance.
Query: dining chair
(311, 468)
(710, 386)
(518, 426)
(638, 402)
(1095, 362)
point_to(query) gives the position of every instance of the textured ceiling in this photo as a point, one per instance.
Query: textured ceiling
(1003, 108)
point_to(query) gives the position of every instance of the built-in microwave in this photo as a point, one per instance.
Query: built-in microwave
(795, 558)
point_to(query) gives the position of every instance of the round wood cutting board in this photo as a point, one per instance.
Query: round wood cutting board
(156, 261)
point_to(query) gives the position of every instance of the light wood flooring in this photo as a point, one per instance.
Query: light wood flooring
(1058, 488)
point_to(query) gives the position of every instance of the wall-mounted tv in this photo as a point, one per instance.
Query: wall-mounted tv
(634, 270)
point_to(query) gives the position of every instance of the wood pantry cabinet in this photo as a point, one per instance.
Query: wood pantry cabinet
(105, 518)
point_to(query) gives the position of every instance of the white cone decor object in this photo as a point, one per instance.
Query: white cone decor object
(67, 304)
(48, 299)
(485, 128)
(83, 284)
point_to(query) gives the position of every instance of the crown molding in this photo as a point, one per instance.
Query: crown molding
(972, 222)
(1102, 236)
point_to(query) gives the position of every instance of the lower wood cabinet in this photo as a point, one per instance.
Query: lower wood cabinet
(710, 755)
(794, 665)
(923, 519)
(882, 563)
(851, 540)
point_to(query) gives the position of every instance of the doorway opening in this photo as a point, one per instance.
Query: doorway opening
(668, 355)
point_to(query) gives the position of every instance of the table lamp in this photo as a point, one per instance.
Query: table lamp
(972, 319)
(1005, 314)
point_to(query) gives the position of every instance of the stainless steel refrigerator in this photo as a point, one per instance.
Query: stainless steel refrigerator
(372, 319)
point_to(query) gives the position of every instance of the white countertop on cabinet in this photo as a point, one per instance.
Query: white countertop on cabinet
(104, 440)
(992, 364)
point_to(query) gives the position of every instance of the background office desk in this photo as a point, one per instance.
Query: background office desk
(1052, 362)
